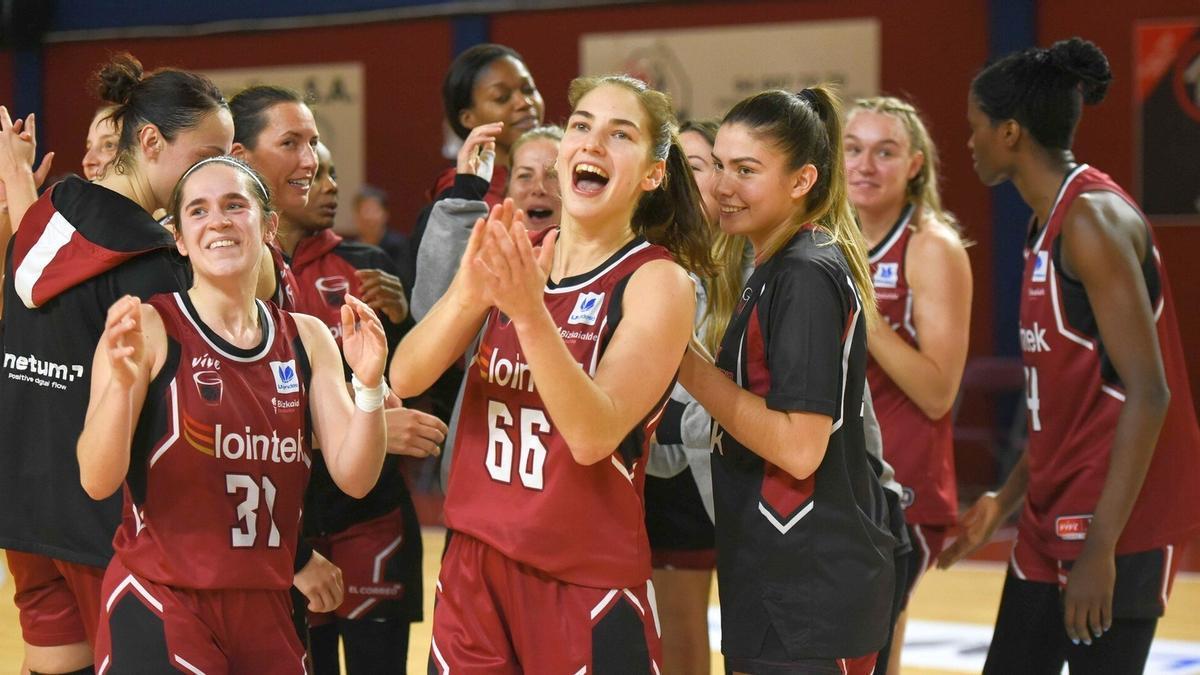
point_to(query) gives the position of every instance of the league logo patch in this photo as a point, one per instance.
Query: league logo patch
(1072, 528)
(587, 309)
(286, 379)
(887, 275)
(1041, 266)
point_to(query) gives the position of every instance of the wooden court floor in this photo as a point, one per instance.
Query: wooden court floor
(968, 594)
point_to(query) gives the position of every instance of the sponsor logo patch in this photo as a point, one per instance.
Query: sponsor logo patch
(587, 309)
(287, 381)
(1072, 528)
(887, 275)
(1041, 266)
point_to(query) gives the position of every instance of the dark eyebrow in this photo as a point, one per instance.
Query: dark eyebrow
(745, 160)
(616, 120)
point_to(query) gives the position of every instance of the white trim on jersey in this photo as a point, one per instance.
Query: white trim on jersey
(581, 671)
(654, 665)
(604, 603)
(652, 598)
(1037, 245)
(621, 467)
(784, 527)
(1052, 274)
(895, 237)
(377, 575)
(1012, 560)
(172, 424)
(196, 323)
(437, 654)
(1170, 553)
(926, 554)
(57, 234)
(596, 348)
(846, 347)
(597, 275)
(358, 611)
(130, 581)
(633, 598)
(180, 660)
(104, 665)
(1113, 392)
(908, 315)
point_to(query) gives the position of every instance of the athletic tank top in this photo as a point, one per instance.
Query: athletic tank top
(514, 484)
(1074, 397)
(220, 457)
(920, 449)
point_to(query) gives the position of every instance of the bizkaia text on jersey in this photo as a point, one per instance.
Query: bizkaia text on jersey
(40, 371)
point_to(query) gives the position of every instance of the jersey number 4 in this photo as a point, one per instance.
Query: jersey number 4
(532, 425)
(247, 510)
(1032, 401)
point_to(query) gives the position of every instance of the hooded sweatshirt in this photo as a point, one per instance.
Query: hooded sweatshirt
(79, 249)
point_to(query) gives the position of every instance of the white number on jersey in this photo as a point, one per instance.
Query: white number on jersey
(247, 510)
(1032, 402)
(499, 460)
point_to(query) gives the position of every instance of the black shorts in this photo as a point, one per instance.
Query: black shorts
(681, 533)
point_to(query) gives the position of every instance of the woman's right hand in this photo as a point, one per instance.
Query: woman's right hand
(124, 341)
(480, 142)
(975, 529)
(18, 144)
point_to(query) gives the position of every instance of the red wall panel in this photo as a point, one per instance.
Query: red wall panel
(403, 67)
(1106, 134)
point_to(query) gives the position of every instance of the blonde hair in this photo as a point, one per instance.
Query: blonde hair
(922, 189)
(807, 128)
(549, 132)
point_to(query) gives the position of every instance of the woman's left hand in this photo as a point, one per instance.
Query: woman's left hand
(516, 272)
(364, 344)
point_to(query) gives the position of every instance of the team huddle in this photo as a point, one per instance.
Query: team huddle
(645, 350)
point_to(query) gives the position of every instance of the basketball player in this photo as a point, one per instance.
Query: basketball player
(1108, 478)
(101, 146)
(375, 540)
(202, 405)
(82, 246)
(804, 553)
(548, 568)
(922, 281)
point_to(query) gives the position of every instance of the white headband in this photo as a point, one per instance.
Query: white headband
(231, 161)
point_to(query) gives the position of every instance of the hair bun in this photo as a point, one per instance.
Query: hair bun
(118, 78)
(1083, 60)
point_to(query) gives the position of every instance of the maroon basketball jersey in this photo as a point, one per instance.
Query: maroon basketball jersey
(920, 449)
(220, 457)
(1074, 396)
(514, 484)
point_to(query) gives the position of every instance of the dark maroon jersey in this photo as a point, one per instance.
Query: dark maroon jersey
(811, 559)
(1074, 396)
(920, 449)
(220, 457)
(514, 484)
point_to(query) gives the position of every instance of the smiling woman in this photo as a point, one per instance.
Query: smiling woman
(218, 392)
(581, 337)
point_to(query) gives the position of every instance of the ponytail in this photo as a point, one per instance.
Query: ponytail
(807, 128)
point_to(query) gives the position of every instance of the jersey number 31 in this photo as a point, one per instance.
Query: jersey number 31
(531, 425)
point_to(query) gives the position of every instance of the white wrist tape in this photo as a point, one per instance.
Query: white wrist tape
(369, 399)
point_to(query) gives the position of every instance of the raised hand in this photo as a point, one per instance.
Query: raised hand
(123, 340)
(18, 145)
(975, 529)
(478, 152)
(516, 273)
(383, 292)
(364, 344)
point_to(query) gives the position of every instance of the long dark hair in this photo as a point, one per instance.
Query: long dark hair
(671, 215)
(249, 108)
(170, 99)
(1044, 89)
